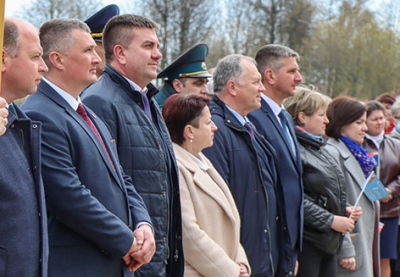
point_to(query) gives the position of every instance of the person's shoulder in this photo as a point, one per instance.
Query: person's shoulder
(394, 142)
(36, 101)
(333, 147)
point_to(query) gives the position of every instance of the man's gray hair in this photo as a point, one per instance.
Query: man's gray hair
(229, 68)
(120, 30)
(56, 36)
(271, 56)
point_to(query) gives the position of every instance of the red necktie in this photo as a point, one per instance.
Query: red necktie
(82, 112)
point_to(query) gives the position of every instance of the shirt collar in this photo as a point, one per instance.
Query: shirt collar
(65, 95)
(136, 87)
(276, 109)
(241, 119)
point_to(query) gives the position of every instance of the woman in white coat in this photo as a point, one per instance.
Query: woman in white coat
(358, 256)
(211, 223)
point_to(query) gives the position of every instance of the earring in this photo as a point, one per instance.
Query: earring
(191, 140)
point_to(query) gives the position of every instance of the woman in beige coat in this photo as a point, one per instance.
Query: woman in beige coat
(211, 223)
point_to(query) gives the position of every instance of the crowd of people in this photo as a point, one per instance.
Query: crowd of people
(103, 174)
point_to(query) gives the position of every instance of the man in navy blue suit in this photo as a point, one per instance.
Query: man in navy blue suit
(280, 74)
(23, 226)
(98, 224)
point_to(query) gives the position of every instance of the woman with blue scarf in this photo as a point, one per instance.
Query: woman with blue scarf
(346, 130)
(326, 217)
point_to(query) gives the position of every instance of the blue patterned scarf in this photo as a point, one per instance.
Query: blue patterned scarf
(304, 132)
(366, 163)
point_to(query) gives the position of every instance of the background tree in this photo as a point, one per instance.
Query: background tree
(40, 11)
(352, 54)
(183, 23)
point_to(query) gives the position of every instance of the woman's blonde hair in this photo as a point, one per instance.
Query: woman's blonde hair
(305, 100)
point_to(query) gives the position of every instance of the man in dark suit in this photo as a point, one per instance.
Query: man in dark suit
(280, 74)
(94, 212)
(246, 162)
(23, 226)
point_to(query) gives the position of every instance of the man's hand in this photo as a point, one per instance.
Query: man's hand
(3, 116)
(132, 264)
(144, 238)
(348, 263)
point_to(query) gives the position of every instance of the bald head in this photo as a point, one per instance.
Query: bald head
(13, 27)
(22, 63)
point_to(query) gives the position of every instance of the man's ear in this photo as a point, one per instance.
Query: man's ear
(120, 54)
(178, 86)
(231, 87)
(57, 60)
(269, 76)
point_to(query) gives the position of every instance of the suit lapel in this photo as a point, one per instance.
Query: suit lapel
(55, 97)
(267, 109)
(93, 117)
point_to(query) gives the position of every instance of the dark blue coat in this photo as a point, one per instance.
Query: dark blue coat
(92, 208)
(235, 157)
(290, 172)
(23, 226)
(146, 155)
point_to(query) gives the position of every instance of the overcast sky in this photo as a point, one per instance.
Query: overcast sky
(12, 6)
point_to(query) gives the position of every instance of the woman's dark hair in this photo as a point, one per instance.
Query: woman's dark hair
(374, 105)
(341, 111)
(386, 98)
(181, 110)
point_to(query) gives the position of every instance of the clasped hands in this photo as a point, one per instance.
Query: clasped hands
(142, 249)
(3, 116)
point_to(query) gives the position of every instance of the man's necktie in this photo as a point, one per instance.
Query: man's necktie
(11, 108)
(82, 112)
(282, 117)
(249, 129)
(146, 104)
